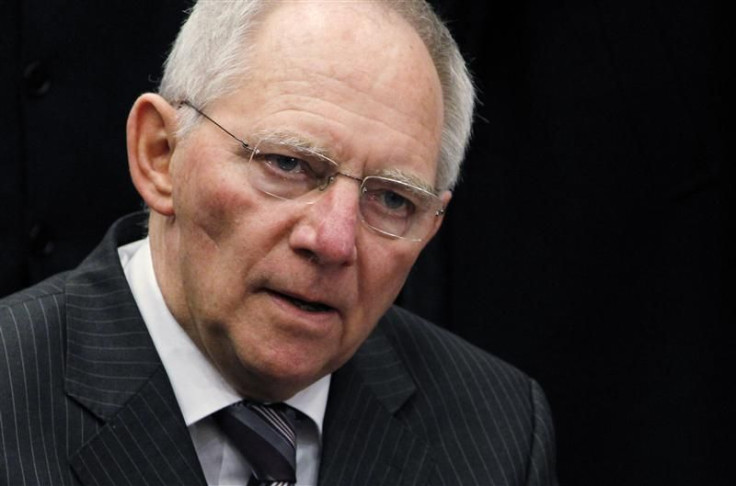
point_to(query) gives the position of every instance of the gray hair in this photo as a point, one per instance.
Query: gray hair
(210, 55)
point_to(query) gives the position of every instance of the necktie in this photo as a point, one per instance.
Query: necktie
(264, 434)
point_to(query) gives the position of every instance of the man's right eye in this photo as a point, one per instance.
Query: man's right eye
(287, 166)
(285, 163)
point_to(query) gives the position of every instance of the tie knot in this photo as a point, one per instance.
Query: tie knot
(264, 435)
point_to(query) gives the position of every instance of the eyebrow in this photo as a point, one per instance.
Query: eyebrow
(296, 141)
(405, 177)
(308, 146)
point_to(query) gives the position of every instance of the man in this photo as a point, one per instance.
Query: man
(297, 159)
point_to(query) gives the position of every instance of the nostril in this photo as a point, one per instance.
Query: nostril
(308, 255)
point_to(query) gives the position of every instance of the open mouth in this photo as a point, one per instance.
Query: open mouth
(305, 305)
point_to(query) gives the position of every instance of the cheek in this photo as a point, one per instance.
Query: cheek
(380, 277)
(385, 270)
(207, 205)
(210, 197)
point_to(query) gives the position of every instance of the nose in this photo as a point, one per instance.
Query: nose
(326, 232)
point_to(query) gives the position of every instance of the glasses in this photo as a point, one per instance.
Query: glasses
(390, 207)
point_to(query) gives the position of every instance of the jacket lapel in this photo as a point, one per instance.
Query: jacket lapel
(113, 370)
(146, 442)
(364, 441)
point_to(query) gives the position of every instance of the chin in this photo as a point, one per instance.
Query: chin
(275, 390)
(279, 381)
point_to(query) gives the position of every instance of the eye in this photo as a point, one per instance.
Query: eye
(287, 164)
(286, 167)
(388, 202)
(392, 200)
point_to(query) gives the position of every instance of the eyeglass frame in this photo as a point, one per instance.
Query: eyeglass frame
(328, 180)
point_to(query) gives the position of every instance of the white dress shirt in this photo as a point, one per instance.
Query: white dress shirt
(201, 390)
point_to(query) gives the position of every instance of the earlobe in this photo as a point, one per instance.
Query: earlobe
(151, 130)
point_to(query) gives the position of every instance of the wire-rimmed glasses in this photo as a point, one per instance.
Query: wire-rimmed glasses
(391, 207)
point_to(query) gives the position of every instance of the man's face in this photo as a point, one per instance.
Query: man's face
(237, 262)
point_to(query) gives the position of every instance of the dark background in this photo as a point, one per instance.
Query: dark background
(588, 243)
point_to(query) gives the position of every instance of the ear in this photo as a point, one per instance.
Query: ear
(445, 197)
(151, 133)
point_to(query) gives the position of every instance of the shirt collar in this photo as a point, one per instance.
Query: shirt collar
(199, 388)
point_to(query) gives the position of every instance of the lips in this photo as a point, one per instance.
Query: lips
(303, 304)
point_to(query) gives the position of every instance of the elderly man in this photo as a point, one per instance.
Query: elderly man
(297, 159)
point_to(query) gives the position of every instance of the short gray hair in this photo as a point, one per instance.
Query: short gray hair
(210, 55)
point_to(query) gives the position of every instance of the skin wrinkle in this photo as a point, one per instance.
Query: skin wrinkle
(297, 142)
(336, 150)
(331, 79)
(329, 150)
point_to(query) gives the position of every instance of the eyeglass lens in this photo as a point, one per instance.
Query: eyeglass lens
(390, 207)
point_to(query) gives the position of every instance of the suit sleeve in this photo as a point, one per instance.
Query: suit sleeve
(542, 456)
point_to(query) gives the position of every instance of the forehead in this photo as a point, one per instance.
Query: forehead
(352, 77)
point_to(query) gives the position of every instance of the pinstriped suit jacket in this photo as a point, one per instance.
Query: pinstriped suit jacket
(84, 398)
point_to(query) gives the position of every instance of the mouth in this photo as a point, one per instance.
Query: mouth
(305, 305)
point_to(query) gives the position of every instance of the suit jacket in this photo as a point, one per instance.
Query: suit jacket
(85, 398)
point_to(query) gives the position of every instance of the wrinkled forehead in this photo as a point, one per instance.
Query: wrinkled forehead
(296, 145)
(357, 68)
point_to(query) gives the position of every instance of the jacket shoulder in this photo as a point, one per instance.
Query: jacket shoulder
(474, 407)
(29, 319)
(51, 286)
(48, 293)
(433, 352)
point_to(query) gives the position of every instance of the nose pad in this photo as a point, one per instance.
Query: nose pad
(327, 230)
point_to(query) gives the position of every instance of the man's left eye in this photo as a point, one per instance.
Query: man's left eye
(385, 202)
(393, 201)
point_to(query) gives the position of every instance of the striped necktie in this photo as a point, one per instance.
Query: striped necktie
(264, 434)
